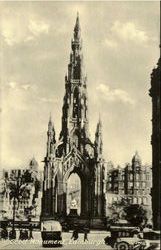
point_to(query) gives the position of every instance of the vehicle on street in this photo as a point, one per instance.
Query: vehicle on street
(51, 233)
(125, 238)
(152, 239)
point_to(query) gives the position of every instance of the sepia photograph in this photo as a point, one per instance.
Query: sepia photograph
(80, 125)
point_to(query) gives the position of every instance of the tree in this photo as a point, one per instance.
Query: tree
(135, 214)
(29, 210)
(18, 189)
(117, 209)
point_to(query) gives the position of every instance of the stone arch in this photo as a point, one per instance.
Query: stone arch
(85, 190)
(74, 194)
(57, 192)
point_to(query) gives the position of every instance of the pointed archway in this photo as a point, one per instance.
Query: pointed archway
(73, 194)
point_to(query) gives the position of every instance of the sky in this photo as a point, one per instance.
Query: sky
(120, 48)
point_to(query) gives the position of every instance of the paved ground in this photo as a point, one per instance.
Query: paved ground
(95, 241)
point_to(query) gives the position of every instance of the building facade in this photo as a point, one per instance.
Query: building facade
(155, 141)
(132, 183)
(74, 152)
(30, 205)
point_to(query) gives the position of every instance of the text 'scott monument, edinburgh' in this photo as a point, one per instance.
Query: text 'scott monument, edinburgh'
(74, 152)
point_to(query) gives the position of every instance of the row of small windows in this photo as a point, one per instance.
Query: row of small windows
(131, 177)
(133, 200)
(117, 185)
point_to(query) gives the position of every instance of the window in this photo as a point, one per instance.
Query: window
(121, 191)
(77, 72)
(135, 200)
(136, 192)
(114, 199)
(144, 200)
(143, 184)
(121, 184)
(130, 200)
(137, 184)
(75, 102)
(139, 200)
(137, 177)
(131, 177)
(115, 174)
(130, 184)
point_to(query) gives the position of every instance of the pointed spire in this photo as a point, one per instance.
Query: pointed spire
(98, 137)
(99, 121)
(77, 28)
(50, 121)
(99, 126)
(50, 117)
(77, 24)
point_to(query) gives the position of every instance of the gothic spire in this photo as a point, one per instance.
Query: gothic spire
(100, 123)
(50, 122)
(99, 127)
(75, 105)
(98, 137)
(77, 28)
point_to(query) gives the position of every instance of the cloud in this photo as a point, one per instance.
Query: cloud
(46, 100)
(10, 32)
(114, 95)
(14, 31)
(18, 95)
(129, 32)
(12, 85)
(15, 86)
(38, 27)
(110, 43)
(26, 86)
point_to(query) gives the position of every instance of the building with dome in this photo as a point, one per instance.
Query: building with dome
(132, 183)
(33, 165)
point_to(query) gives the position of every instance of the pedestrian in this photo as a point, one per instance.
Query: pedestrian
(21, 234)
(75, 235)
(85, 236)
(30, 233)
(12, 234)
(26, 234)
(4, 233)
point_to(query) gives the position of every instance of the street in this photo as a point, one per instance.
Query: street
(95, 241)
